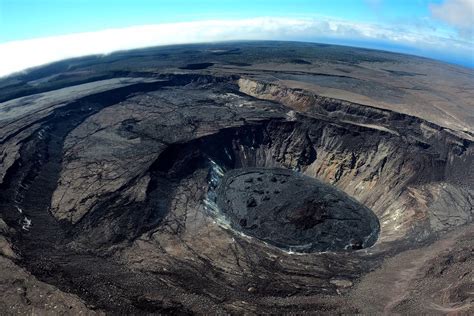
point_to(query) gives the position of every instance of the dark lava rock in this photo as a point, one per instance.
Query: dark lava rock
(197, 66)
(300, 214)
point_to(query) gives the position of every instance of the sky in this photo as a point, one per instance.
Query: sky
(35, 32)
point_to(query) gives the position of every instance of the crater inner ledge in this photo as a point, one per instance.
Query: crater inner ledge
(294, 212)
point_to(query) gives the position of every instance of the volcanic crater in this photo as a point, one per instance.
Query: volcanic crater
(132, 184)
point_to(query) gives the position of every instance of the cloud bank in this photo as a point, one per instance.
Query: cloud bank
(19, 55)
(457, 13)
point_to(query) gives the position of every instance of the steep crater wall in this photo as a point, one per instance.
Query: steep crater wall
(387, 173)
(411, 172)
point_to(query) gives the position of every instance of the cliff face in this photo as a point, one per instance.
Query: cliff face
(110, 190)
(406, 169)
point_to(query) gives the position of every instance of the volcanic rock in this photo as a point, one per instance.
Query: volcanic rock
(301, 213)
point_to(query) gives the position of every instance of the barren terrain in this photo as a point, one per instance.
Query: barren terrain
(237, 178)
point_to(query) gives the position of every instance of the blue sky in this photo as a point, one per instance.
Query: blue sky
(24, 19)
(441, 29)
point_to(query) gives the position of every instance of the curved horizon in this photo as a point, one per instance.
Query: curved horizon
(49, 32)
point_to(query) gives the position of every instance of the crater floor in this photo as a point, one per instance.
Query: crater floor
(294, 212)
(261, 177)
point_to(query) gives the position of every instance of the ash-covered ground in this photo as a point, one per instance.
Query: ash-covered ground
(256, 177)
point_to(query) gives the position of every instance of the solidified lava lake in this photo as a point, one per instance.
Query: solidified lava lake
(294, 212)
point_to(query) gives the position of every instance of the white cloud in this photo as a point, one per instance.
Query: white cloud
(457, 13)
(19, 55)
